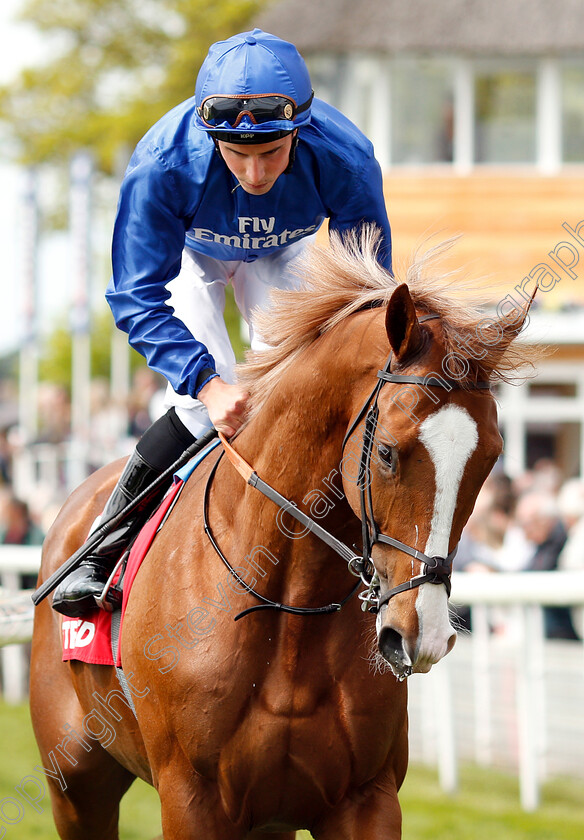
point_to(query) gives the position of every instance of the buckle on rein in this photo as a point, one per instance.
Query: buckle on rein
(365, 570)
(436, 573)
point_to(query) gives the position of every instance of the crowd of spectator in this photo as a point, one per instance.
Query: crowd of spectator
(33, 488)
(532, 524)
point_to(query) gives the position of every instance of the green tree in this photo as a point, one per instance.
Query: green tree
(117, 66)
(56, 351)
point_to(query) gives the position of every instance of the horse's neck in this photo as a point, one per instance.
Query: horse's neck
(293, 448)
(295, 445)
(296, 439)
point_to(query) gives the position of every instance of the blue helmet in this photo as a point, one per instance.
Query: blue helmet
(252, 88)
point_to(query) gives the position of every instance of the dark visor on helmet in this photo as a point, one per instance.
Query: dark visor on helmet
(216, 110)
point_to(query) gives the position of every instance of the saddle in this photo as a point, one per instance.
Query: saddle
(94, 638)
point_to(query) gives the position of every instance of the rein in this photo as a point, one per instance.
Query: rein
(436, 570)
(254, 480)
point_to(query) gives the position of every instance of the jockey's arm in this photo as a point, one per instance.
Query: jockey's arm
(227, 405)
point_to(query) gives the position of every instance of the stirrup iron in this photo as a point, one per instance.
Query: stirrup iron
(111, 596)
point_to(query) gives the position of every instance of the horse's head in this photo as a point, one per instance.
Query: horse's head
(422, 433)
(426, 440)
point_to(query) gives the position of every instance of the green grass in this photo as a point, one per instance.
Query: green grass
(485, 808)
(140, 810)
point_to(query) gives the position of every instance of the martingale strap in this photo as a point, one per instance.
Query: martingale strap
(252, 478)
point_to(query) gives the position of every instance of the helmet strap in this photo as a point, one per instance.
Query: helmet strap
(292, 157)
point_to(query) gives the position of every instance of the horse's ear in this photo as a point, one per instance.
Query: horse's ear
(511, 324)
(402, 325)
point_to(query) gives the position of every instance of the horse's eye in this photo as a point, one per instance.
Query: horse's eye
(385, 453)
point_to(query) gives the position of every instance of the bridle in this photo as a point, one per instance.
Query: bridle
(436, 569)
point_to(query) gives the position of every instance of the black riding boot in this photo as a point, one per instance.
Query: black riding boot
(158, 449)
(76, 594)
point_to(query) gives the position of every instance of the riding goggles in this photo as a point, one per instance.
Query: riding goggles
(216, 110)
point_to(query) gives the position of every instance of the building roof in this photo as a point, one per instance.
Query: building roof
(475, 27)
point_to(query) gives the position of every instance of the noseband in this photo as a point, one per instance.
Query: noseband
(436, 570)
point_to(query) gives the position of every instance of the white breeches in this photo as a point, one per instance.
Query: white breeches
(197, 296)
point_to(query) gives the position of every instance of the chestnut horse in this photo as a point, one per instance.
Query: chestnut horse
(283, 720)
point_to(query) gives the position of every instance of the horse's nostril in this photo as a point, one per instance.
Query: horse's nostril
(391, 647)
(390, 643)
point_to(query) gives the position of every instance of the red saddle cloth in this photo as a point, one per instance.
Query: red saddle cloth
(89, 639)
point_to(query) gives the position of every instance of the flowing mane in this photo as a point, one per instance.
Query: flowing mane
(345, 277)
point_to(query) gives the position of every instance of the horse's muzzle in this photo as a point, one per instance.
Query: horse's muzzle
(391, 647)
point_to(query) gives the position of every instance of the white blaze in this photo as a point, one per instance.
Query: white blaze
(450, 436)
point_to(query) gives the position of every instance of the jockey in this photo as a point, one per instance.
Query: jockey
(228, 187)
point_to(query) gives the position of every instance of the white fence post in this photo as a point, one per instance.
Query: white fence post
(15, 629)
(481, 669)
(528, 593)
(14, 661)
(531, 721)
(446, 732)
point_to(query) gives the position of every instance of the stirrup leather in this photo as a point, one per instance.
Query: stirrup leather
(111, 596)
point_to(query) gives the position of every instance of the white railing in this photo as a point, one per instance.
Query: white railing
(16, 617)
(465, 686)
(504, 681)
(541, 588)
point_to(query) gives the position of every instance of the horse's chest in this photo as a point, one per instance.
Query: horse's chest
(296, 746)
(278, 723)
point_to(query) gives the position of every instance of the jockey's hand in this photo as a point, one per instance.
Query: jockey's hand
(226, 404)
